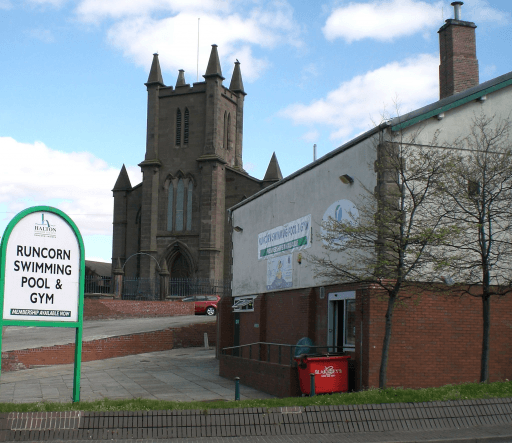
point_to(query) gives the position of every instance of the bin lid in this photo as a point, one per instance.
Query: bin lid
(303, 346)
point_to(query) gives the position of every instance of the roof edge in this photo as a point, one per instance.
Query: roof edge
(314, 164)
(451, 102)
(243, 174)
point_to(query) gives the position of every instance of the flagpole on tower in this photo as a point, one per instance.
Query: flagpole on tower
(197, 70)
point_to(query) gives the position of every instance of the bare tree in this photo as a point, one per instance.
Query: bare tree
(393, 244)
(477, 196)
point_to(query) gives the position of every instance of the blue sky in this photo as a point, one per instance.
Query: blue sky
(73, 100)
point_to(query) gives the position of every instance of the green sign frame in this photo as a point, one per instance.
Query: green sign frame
(78, 325)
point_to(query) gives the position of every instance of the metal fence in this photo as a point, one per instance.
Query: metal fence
(95, 284)
(184, 287)
(149, 289)
(141, 289)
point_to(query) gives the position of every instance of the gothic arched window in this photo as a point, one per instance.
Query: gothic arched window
(189, 205)
(179, 204)
(170, 206)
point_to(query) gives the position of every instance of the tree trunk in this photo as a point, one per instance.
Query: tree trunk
(385, 344)
(486, 311)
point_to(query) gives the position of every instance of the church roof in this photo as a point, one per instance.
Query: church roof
(213, 68)
(155, 74)
(123, 181)
(237, 85)
(273, 170)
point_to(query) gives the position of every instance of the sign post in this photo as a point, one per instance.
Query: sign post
(42, 264)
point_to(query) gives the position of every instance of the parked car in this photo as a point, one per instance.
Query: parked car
(204, 304)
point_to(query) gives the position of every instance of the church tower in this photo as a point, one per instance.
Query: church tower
(192, 173)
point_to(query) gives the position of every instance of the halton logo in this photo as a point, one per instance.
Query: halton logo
(44, 229)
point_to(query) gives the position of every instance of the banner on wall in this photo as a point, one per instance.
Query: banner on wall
(290, 237)
(280, 272)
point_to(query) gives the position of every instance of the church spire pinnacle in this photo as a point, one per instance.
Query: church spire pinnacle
(273, 171)
(213, 68)
(237, 85)
(123, 181)
(155, 74)
(181, 78)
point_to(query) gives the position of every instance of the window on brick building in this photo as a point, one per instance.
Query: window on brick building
(182, 127)
(342, 321)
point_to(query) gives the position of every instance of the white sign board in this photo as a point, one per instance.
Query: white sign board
(290, 237)
(42, 270)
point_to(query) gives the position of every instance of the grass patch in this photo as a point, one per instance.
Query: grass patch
(465, 391)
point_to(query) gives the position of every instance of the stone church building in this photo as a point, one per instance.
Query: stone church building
(192, 173)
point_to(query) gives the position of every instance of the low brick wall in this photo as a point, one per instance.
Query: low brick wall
(272, 378)
(170, 338)
(100, 309)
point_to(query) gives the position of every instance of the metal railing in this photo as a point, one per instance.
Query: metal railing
(276, 352)
(184, 287)
(149, 288)
(141, 289)
(95, 284)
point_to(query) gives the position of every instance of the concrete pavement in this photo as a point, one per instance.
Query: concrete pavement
(184, 374)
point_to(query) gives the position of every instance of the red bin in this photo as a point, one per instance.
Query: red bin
(331, 373)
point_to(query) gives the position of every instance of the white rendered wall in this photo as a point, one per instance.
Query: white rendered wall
(457, 122)
(311, 192)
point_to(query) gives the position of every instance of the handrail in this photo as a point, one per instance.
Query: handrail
(262, 343)
(331, 350)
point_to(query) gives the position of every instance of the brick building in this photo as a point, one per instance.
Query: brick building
(192, 172)
(278, 298)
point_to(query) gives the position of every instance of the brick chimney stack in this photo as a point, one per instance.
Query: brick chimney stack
(458, 70)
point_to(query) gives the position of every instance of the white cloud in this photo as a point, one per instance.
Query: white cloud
(311, 136)
(353, 106)
(96, 10)
(382, 20)
(480, 11)
(77, 183)
(170, 27)
(45, 35)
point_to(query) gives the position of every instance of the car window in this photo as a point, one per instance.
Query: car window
(212, 298)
